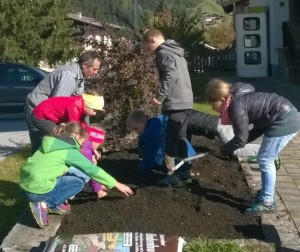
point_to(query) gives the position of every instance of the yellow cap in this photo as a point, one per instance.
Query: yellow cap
(93, 101)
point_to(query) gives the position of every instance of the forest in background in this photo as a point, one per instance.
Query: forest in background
(121, 12)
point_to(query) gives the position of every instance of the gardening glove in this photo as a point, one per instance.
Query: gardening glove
(170, 162)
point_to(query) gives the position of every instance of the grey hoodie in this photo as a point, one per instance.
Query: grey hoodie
(175, 90)
(50, 86)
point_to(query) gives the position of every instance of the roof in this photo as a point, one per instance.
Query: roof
(92, 21)
(228, 4)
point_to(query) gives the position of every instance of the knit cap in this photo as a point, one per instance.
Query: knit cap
(95, 135)
(93, 101)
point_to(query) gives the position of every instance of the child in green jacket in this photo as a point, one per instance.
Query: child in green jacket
(45, 179)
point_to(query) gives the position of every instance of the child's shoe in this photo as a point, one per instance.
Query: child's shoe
(169, 161)
(277, 163)
(63, 208)
(39, 213)
(258, 208)
(255, 198)
(251, 159)
(172, 180)
(185, 177)
(101, 194)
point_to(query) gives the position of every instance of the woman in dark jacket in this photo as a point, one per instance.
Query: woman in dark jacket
(272, 116)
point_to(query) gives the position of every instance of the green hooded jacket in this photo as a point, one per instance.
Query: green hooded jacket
(53, 160)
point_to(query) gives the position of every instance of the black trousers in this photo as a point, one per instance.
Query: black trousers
(176, 130)
(43, 128)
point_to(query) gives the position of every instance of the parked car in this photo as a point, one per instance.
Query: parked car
(16, 82)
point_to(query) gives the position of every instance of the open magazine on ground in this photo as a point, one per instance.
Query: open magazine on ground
(115, 242)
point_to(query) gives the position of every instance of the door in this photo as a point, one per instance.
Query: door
(251, 45)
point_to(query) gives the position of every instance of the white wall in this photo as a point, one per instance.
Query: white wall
(277, 15)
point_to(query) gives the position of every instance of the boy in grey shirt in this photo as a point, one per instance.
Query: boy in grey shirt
(175, 95)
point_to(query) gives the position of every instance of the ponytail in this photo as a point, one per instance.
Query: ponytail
(69, 129)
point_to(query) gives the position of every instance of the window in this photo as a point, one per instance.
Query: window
(251, 24)
(25, 75)
(252, 40)
(8, 73)
(252, 58)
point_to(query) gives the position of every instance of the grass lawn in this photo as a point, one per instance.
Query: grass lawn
(199, 81)
(12, 202)
(203, 245)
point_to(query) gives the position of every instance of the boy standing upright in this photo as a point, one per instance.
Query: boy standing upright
(175, 93)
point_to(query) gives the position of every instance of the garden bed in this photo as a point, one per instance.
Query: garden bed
(212, 206)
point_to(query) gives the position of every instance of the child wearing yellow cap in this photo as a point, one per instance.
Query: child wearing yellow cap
(57, 110)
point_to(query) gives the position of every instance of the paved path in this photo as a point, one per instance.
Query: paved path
(288, 179)
(13, 134)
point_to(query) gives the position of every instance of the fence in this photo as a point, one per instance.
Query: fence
(206, 60)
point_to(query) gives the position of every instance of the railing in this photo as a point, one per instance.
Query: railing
(288, 40)
(206, 60)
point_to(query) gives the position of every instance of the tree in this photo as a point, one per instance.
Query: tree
(128, 80)
(220, 35)
(186, 28)
(33, 30)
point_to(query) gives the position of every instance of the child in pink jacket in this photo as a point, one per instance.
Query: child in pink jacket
(89, 150)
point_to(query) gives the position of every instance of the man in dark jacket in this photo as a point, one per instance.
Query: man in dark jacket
(209, 126)
(175, 93)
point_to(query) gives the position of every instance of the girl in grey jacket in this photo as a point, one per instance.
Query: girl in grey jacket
(273, 117)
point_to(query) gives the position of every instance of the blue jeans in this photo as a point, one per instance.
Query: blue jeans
(268, 152)
(79, 174)
(66, 187)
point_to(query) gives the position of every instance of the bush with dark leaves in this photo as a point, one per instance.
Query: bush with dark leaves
(128, 80)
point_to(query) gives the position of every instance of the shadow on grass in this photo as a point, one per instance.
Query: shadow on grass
(12, 206)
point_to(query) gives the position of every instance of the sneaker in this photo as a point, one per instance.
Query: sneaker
(39, 213)
(258, 208)
(251, 159)
(172, 180)
(185, 177)
(62, 209)
(255, 198)
(277, 163)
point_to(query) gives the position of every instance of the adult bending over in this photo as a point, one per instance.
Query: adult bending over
(66, 80)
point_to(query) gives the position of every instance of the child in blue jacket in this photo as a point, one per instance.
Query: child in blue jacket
(151, 141)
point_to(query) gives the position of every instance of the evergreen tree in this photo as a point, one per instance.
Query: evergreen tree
(33, 30)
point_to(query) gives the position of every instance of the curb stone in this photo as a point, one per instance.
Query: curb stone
(25, 236)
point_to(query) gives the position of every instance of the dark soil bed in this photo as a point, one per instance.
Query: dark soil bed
(212, 207)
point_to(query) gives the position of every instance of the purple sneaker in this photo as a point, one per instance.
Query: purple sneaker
(39, 214)
(63, 208)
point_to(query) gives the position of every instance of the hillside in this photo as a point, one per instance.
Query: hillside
(121, 12)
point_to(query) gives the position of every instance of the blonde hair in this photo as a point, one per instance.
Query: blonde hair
(92, 92)
(150, 33)
(136, 116)
(217, 89)
(69, 129)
